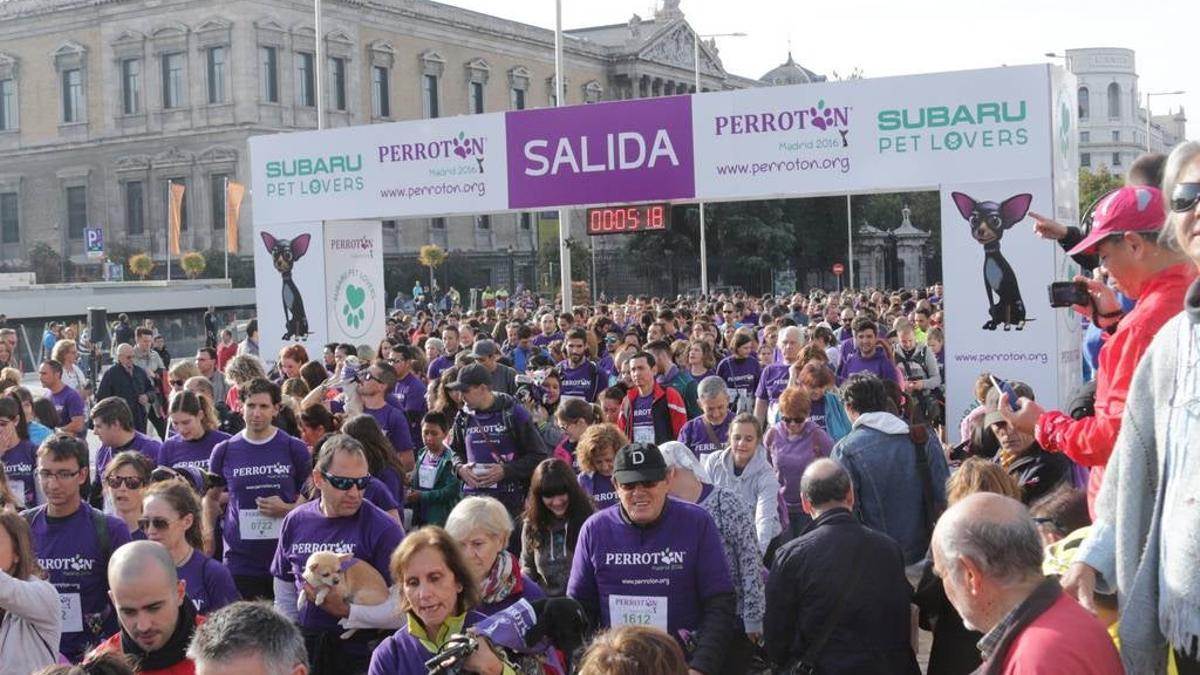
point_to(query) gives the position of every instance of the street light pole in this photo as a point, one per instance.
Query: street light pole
(318, 56)
(703, 237)
(1148, 96)
(564, 225)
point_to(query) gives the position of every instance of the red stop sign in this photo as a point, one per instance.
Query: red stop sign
(838, 268)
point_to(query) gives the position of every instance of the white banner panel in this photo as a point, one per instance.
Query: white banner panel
(882, 134)
(355, 300)
(439, 167)
(289, 268)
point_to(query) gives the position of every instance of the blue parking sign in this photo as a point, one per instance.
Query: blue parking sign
(93, 238)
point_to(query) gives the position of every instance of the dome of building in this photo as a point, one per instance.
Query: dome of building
(790, 72)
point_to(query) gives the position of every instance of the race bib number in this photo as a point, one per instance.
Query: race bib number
(17, 487)
(643, 434)
(254, 526)
(636, 610)
(70, 612)
(426, 475)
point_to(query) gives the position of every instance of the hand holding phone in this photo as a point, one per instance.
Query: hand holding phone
(1007, 392)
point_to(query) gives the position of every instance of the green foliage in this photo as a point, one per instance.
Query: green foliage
(141, 265)
(47, 263)
(431, 256)
(1093, 185)
(193, 264)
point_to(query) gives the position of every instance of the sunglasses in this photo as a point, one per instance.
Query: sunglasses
(131, 482)
(343, 483)
(1184, 197)
(157, 523)
(368, 377)
(645, 485)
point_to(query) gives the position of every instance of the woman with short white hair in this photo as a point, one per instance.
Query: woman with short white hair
(482, 528)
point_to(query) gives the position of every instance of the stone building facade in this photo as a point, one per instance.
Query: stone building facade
(892, 258)
(103, 103)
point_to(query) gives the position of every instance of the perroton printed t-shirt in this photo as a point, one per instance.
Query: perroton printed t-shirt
(600, 488)
(209, 585)
(20, 463)
(178, 453)
(585, 382)
(696, 436)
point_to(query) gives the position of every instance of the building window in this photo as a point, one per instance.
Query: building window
(1085, 159)
(1085, 137)
(306, 92)
(183, 208)
(1116, 159)
(476, 97)
(217, 183)
(10, 225)
(172, 80)
(131, 86)
(381, 105)
(216, 74)
(1114, 101)
(1085, 103)
(8, 105)
(518, 99)
(430, 92)
(135, 208)
(437, 223)
(337, 73)
(483, 222)
(76, 211)
(268, 76)
(389, 224)
(526, 221)
(72, 95)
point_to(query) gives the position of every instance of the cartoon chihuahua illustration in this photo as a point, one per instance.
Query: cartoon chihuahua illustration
(358, 583)
(988, 222)
(285, 253)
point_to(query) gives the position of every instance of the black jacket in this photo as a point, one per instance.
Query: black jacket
(1038, 472)
(530, 449)
(119, 382)
(810, 574)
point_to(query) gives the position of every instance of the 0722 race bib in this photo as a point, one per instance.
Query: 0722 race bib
(254, 526)
(637, 610)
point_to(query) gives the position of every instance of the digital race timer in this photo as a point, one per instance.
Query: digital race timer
(624, 219)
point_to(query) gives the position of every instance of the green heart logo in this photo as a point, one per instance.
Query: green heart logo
(355, 296)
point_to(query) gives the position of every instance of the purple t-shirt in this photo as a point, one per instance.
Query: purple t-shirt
(370, 534)
(394, 424)
(643, 418)
(660, 575)
(695, 435)
(69, 404)
(817, 414)
(409, 394)
(149, 447)
(276, 467)
(585, 382)
(772, 383)
(489, 441)
(877, 363)
(740, 375)
(178, 452)
(438, 366)
(20, 463)
(791, 456)
(600, 488)
(69, 550)
(404, 653)
(209, 584)
(543, 339)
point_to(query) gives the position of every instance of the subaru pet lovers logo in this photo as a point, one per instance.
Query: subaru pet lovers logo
(314, 176)
(974, 125)
(459, 155)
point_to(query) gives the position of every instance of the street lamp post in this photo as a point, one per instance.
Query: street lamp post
(703, 238)
(564, 225)
(1150, 94)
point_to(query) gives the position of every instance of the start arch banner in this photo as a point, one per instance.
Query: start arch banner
(996, 144)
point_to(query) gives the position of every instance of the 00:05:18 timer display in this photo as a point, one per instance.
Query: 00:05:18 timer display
(624, 219)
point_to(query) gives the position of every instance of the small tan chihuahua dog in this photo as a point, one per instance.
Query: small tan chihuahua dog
(358, 584)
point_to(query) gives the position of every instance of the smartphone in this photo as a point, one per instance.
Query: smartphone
(1007, 390)
(1069, 293)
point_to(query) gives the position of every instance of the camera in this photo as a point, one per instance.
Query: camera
(1069, 293)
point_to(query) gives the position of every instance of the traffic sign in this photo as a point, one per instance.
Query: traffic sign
(838, 268)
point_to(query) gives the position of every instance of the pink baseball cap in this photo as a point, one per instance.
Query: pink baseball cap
(1133, 208)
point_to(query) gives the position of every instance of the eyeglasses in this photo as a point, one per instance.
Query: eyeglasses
(44, 475)
(1184, 197)
(793, 420)
(344, 483)
(371, 377)
(131, 482)
(157, 523)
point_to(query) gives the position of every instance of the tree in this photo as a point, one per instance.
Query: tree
(1092, 186)
(431, 256)
(48, 265)
(193, 264)
(141, 265)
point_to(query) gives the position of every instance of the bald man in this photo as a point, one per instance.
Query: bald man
(126, 380)
(838, 556)
(157, 619)
(987, 551)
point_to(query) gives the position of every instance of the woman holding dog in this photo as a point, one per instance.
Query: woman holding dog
(437, 599)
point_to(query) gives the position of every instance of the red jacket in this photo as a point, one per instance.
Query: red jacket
(668, 412)
(1089, 441)
(184, 667)
(1064, 640)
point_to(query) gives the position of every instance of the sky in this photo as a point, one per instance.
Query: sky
(883, 38)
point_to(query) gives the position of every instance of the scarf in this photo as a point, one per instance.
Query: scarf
(174, 651)
(1040, 600)
(502, 581)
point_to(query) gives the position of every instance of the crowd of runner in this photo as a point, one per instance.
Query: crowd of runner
(711, 485)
